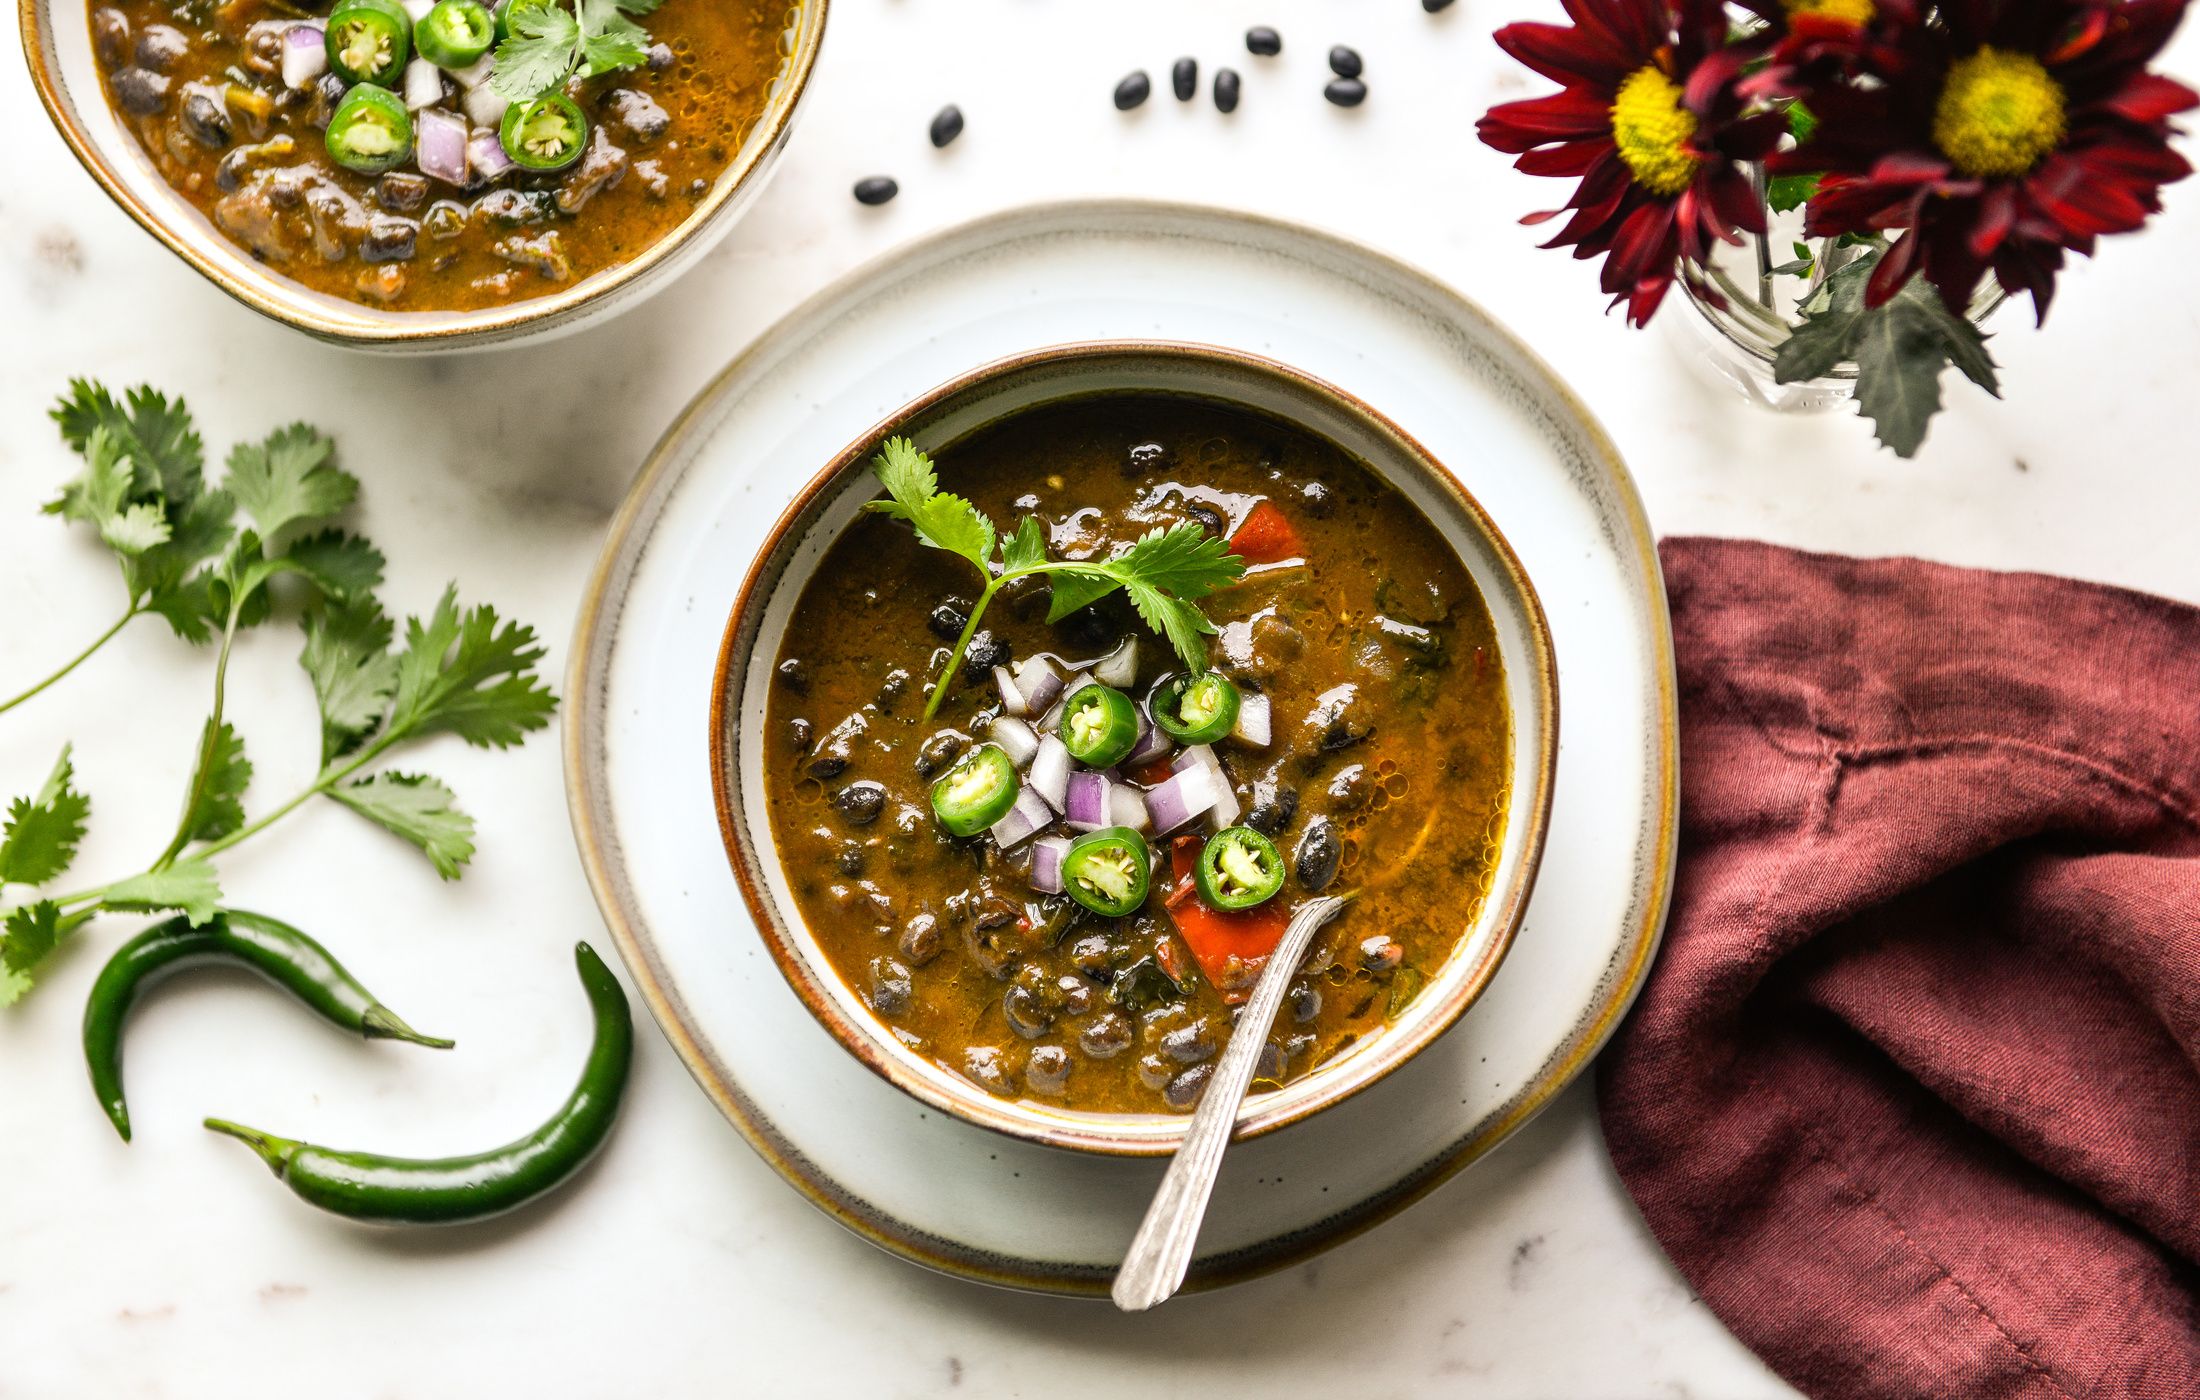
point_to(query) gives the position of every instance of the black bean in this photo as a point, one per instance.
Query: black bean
(1273, 808)
(1319, 855)
(1190, 1045)
(206, 117)
(921, 940)
(1272, 1063)
(1264, 41)
(446, 220)
(949, 618)
(401, 191)
(850, 861)
(1209, 518)
(1091, 629)
(389, 239)
(1346, 92)
(861, 802)
(1154, 1071)
(892, 688)
(988, 1068)
(140, 91)
(994, 912)
(1184, 1091)
(638, 113)
(1135, 88)
(1345, 61)
(1047, 1071)
(1106, 1036)
(940, 750)
(1432, 6)
(1306, 1002)
(1226, 89)
(889, 987)
(1352, 788)
(1144, 457)
(110, 36)
(947, 124)
(660, 57)
(1094, 956)
(160, 47)
(800, 732)
(875, 189)
(794, 675)
(1380, 954)
(1184, 78)
(986, 652)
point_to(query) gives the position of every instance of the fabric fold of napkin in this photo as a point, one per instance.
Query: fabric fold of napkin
(1911, 1096)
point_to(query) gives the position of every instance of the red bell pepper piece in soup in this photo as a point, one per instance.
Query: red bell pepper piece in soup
(1230, 947)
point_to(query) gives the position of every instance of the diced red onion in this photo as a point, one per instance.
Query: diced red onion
(1127, 807)
(1050, 771)
(1087, 806)
(1118, 668)
(1070, 686)
(1226, 808)
(1252, 721)
(1198, 755)
(476, 73)
(1183, 798)
(1025, 820)
(487, 156)
(1015, 738)
(1012, 696)
(485, 108)
(1040, 680)
(1046, 864)
(305, 54)
(1152, 743)
(423, 84)
(439, 147)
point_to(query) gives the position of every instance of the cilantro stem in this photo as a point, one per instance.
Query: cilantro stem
(208, 742)
(962, 644)
(79, 659)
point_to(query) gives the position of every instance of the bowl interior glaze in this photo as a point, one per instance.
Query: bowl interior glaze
(758, 625)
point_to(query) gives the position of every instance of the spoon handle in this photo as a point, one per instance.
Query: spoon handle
(1162, 1250)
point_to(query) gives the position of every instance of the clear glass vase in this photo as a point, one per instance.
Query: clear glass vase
(1734, 345)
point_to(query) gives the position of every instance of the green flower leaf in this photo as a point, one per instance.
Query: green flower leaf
(420, 809)
(43, 832)
(190, 886)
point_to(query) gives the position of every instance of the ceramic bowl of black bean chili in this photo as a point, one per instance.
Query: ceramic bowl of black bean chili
(425, 175)
(1045, 704)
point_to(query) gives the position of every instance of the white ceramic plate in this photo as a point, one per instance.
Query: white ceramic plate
(956, 1197)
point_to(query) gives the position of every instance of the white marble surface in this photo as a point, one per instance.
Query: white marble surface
(682, 1266)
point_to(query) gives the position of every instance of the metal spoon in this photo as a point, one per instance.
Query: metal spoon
(1162, 1250)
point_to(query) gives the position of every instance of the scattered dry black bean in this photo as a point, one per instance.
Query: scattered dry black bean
(876, 189)
(1432, 6)
(1264, 41)
(1346, 92)
(947, 125)
(1135, 88)
(1345, 62)
(1226, 89)
(1184, 78)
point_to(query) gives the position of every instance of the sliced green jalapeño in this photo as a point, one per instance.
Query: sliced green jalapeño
(1099, 726)
(455, 34)
(1238, 868)
(371, 131)
(1195, 709)
(976, 792)
(369, 40)
(544, 133)
(1108, 871)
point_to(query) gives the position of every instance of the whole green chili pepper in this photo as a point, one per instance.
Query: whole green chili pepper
(274, 949)
(441, 1191)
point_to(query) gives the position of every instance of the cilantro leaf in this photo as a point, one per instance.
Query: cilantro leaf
(1183, 559)
(609, 40)
(288, 479)
(941, 519)
(1078, 586)
(1186, 627)
(154, 432)
(420, 809)
(1164, 572)
(348, 660)
(189, 885)
(468, 676)
(42, 832)
(541, 53)
(217, 799)
(340, 565)
(1025, 549)
(29, 935)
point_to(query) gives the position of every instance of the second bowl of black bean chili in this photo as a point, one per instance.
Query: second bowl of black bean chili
(1055, 733)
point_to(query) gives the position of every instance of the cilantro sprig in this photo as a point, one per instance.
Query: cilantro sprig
(1164, 572)
(461, 671)
(550, 44)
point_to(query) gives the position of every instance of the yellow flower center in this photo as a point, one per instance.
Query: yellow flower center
(1851, 11)
(1652, 130)
(1999, 114)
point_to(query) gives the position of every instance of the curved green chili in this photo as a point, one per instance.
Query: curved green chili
(274, 949)
(441, 1191)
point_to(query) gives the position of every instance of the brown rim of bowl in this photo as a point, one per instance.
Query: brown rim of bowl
(1080, 1131)
(382, 327)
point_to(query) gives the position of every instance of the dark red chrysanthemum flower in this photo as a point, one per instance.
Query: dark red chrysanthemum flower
(1649, 120)
(1995, 135)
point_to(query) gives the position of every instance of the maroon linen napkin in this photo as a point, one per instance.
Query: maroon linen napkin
(1911, 1096)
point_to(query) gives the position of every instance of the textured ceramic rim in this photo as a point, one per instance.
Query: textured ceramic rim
(596, 845)
(271, 294)
(1104, 1133)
